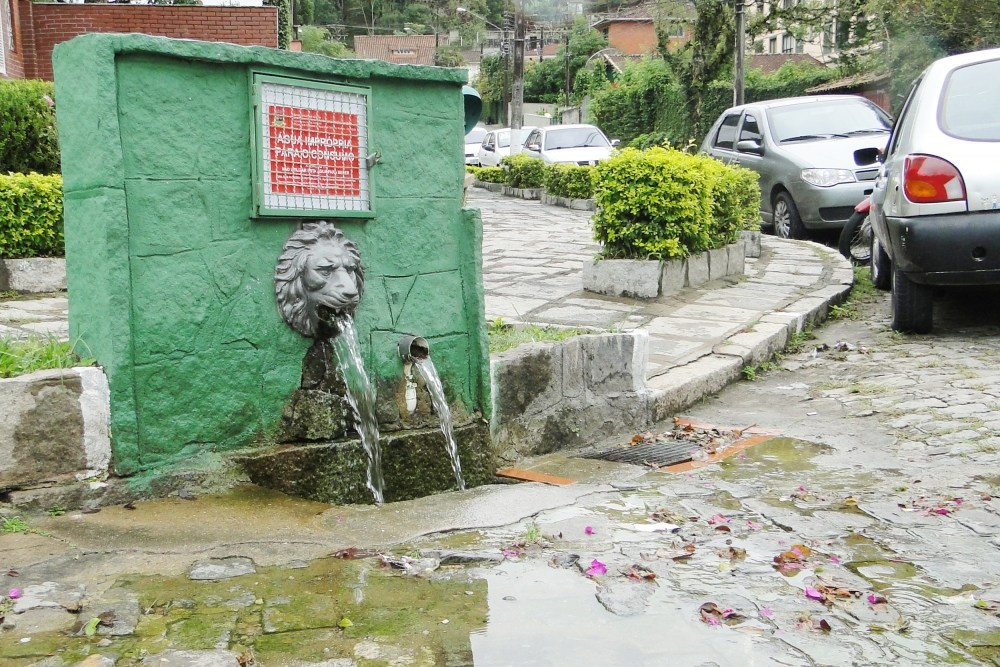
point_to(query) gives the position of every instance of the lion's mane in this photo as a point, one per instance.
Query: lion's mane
(295, 301)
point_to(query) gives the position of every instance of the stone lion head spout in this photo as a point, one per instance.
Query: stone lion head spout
(318, 278)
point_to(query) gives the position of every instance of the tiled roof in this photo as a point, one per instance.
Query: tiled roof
(647, 12)
(770, 62)
(400, 49)
(850, 83)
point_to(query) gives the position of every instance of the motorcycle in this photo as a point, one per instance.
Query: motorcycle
(856, 237)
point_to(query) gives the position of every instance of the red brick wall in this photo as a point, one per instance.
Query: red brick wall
(632, 38)
(50, 24)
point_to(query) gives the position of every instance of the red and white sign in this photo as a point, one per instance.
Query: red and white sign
(315, 143)
(313, 152)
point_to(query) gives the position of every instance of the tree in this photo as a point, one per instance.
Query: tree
(317, 40)
(703, 59)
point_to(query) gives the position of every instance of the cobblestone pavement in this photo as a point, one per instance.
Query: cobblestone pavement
(533, 259)
(42, 316)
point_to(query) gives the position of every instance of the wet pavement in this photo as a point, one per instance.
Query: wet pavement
(864, 533)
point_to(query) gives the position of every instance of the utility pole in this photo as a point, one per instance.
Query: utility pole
(517, 103)
(740, 44)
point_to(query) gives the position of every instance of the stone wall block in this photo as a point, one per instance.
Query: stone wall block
(526, 380)
(573, 368)
(673, 277)
(615, 362)
(737, 259)
(37, 274)
(622, 277)
(698, 270)
(54, 426)
(718, 263)
(751, 242)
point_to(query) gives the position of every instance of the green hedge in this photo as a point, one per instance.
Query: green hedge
(489, 174)
(524, 171)
(31, 216)
(569, 180)
(28, 139)
(663, 203)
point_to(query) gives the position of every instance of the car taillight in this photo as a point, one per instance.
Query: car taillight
(929, 180)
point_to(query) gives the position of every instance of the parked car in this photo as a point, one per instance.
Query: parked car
(496, 145)
(936, 207)
(472, 142)
(568, 144)
(816, 156)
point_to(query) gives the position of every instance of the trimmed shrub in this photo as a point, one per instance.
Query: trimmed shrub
(523, 171)
(28, 139)
(663, 203)
(569, 180)
(491, 174)
(31, 216)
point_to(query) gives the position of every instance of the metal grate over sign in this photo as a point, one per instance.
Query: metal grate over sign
(313, 144)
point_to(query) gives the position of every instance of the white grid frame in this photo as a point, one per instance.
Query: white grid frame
(312, 149)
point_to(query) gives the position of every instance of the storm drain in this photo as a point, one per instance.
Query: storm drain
(650, 454)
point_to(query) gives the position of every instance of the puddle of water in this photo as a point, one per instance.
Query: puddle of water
(530, 626)
(283, 616)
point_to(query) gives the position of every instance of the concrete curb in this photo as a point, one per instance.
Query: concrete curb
(34, 275)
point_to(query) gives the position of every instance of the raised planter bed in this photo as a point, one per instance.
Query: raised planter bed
(649, 279)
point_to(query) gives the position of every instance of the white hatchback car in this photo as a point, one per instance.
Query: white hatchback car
(472, 142)
(569, 144)
(496, 145)
(936, 206)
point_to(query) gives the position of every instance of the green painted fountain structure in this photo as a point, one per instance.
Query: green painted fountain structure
(188, 168)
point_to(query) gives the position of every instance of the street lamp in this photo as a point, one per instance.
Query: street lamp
(463, 10)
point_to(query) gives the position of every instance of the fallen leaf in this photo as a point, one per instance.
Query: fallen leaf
(711, 614)
(640, 573)
(345, 623)
(90, 628)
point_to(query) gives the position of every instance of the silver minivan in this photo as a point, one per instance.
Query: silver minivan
(936, 208)
(817, 156)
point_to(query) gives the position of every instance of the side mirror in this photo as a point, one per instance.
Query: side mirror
(489, 148)
(750, 146)
(615, 142)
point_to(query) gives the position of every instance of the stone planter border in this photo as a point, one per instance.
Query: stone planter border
(649, 279)
(568, 202)
(35, 275)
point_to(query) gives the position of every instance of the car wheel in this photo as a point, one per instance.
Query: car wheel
(787, 223)
(880, 266)
(912, 304)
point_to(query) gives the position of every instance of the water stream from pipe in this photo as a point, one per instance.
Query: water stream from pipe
(429, 372)
(361, 397)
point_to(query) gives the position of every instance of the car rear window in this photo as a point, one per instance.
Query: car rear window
(575, 137)
(970, 102)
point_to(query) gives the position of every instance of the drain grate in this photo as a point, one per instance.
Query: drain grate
(655, 454)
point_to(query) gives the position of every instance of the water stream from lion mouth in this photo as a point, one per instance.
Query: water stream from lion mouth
(361, 397)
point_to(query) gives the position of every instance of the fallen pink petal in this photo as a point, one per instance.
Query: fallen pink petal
(813, 594)
(718, 518)
(510, 553)
(589, 530)
(14, 593)
(597, 569)
(712, 620)
(766, 612)
(753, 526)
(942, 510)
(727, 612)
(835, 560)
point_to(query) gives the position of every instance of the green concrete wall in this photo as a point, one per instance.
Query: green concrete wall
(170, 275)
